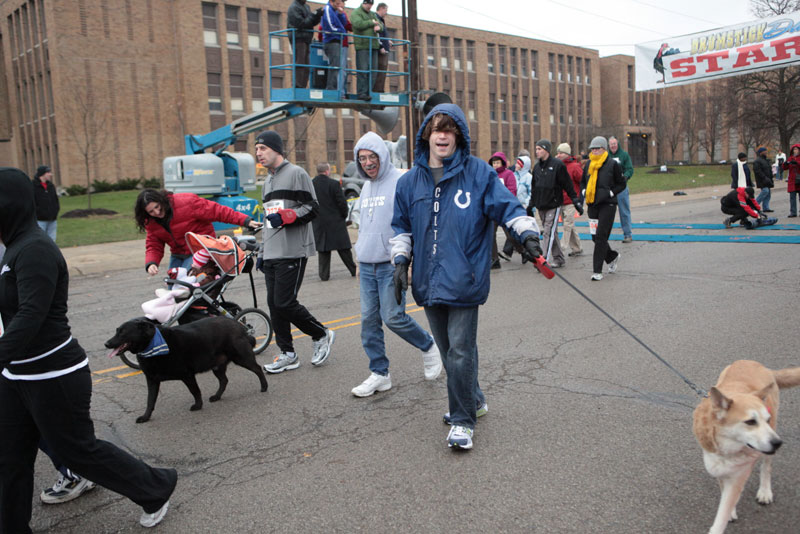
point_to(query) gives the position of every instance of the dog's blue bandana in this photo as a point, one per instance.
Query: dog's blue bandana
(157, 346)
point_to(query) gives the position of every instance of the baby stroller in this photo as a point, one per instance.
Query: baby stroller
(194, 296)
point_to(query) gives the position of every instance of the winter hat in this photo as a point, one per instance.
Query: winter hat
(760, 150)
(40, 171)
(271, 139)
(564, 148)
(599, 142)
(545, 144)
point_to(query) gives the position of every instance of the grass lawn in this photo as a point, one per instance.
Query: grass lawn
(122, 227)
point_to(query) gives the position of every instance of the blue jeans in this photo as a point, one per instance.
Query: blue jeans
(624, 203)
(366, 60)
(763, 197)
(50, 228)
(333, 50)
(378, 305)
(793, 203)
(175, 261)
(455, 331)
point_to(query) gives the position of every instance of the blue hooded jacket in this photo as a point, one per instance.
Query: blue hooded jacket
(448, 228)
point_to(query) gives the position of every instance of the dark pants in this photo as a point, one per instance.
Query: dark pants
(301, 58)
(333, 51)
(455, 331)
(737, 214)
(57, 411)
(604, 214)
(325, 262)
(366, 60)
(380, 75)
(284, 278)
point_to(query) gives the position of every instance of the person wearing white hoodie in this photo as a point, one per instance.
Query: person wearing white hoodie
(522, 172)
(376, 272)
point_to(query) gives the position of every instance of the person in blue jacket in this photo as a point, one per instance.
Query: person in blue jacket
(444, 213)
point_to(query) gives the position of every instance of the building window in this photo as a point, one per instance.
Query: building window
(580, 111)
(561, 111)
(332, 150)
(473, 108)
(501, 59)
(490, 55)
(392, 34)
(524, 110)
(551, 66)
(552, 111)
(254, 29)
(534, 63)
(578, 69)
(274, 21)
(492, 106)
(210, 24)
(232, 25)
(444, 45)
(535, 109)
(560, 67)
(589, 112)
(569, 69)
(588, 69)
(300, 152)
(504, 108)
(257, 93)
(471, 56)
(460, 99)
(237, 93)
(630, 76)
(513, 60)
(514, 106)
(431, 46)
(329, 112)
(457, 54)
(523, 60)
(214, 92)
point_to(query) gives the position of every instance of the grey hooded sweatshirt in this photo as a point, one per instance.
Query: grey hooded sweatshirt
(376, 204)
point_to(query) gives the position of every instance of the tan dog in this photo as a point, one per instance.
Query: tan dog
(735, 426)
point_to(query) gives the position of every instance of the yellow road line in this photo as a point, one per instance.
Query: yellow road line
(126, 375)
(109, 370)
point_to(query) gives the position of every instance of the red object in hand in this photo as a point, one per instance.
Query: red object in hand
(288, 216)
(543, 268)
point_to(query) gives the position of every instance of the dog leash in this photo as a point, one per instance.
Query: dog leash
(700, 391)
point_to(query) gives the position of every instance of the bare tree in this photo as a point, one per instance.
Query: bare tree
(712, 104)
(690, 122)
(769, 8)
(85, 113)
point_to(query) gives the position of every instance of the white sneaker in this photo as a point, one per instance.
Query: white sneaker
(596, 277)
(373, 383)
(432, 361)
(612, 267)
(322, 348)
(151, 520)
(460, 437)
(66, 489)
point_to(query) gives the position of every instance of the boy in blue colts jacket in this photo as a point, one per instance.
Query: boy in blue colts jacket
(444, 214)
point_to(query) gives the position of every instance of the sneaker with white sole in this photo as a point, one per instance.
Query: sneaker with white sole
(283, 362)
(322, 348)
(481, 411)
(460, 437)
(612, 267)
(151, 520)
(66, 489)
(373, 383)
(596, 277)
(432, 361)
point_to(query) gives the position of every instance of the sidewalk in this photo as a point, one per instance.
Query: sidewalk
(109, 257)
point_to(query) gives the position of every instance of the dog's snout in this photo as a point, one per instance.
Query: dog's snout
(776, 443)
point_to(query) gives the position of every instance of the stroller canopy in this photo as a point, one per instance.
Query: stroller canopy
(225, 252)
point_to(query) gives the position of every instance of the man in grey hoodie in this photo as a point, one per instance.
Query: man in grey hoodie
(376, 272)
(289, 204)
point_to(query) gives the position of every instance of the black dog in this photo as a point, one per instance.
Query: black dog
(197, 347)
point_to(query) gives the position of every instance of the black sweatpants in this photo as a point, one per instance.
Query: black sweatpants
(57, 411)
(325, 262)
(284, 278)
(604, 213)
(737, 213)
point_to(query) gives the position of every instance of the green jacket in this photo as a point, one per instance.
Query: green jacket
(624, 161)
(364, 24)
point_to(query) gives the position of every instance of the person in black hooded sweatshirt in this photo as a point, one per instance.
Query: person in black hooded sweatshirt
(45, 384)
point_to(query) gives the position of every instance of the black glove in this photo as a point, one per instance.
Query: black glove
(529, 211)
(793, 162)
(275, 220)
(319, 11)
(531, 249)
(260, 264)
(579, 208)
(400, 278)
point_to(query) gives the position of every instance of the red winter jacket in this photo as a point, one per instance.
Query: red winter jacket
(575, 172)
(505, 175)
(794, 170)
(190, 213)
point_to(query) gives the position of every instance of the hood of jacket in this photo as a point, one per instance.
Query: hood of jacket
(422, 149)
(791, 150)
(17, 207)
(502, 157)
(374, 142)
(526, 166)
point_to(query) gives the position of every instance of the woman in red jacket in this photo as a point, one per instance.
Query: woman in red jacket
(166, 217)
(793, 180)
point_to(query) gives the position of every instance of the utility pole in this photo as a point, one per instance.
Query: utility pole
(411, 34)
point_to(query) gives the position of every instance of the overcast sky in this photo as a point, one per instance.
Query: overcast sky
(588, 23)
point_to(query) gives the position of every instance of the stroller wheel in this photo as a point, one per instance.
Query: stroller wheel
(258, 325)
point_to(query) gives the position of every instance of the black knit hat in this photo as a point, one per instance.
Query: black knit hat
(41, 170)
(271, 139)
(545, 144)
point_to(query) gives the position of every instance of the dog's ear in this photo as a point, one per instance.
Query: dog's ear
(718, 400)
(146, 328)
(764, 393)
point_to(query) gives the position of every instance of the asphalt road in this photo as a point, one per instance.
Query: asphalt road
(586, 431)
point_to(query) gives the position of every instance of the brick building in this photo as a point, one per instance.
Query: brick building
(116, 84)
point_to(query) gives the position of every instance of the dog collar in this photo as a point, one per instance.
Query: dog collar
(157, 346)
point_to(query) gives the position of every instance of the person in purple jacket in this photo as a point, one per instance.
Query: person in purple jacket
(499, 163)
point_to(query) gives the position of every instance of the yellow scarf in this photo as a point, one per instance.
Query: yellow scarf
(595, 162)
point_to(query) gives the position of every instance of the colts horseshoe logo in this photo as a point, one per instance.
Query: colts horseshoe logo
(462, 205)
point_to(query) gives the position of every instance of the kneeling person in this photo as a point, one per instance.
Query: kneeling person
(739, 203)
(376, 271)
